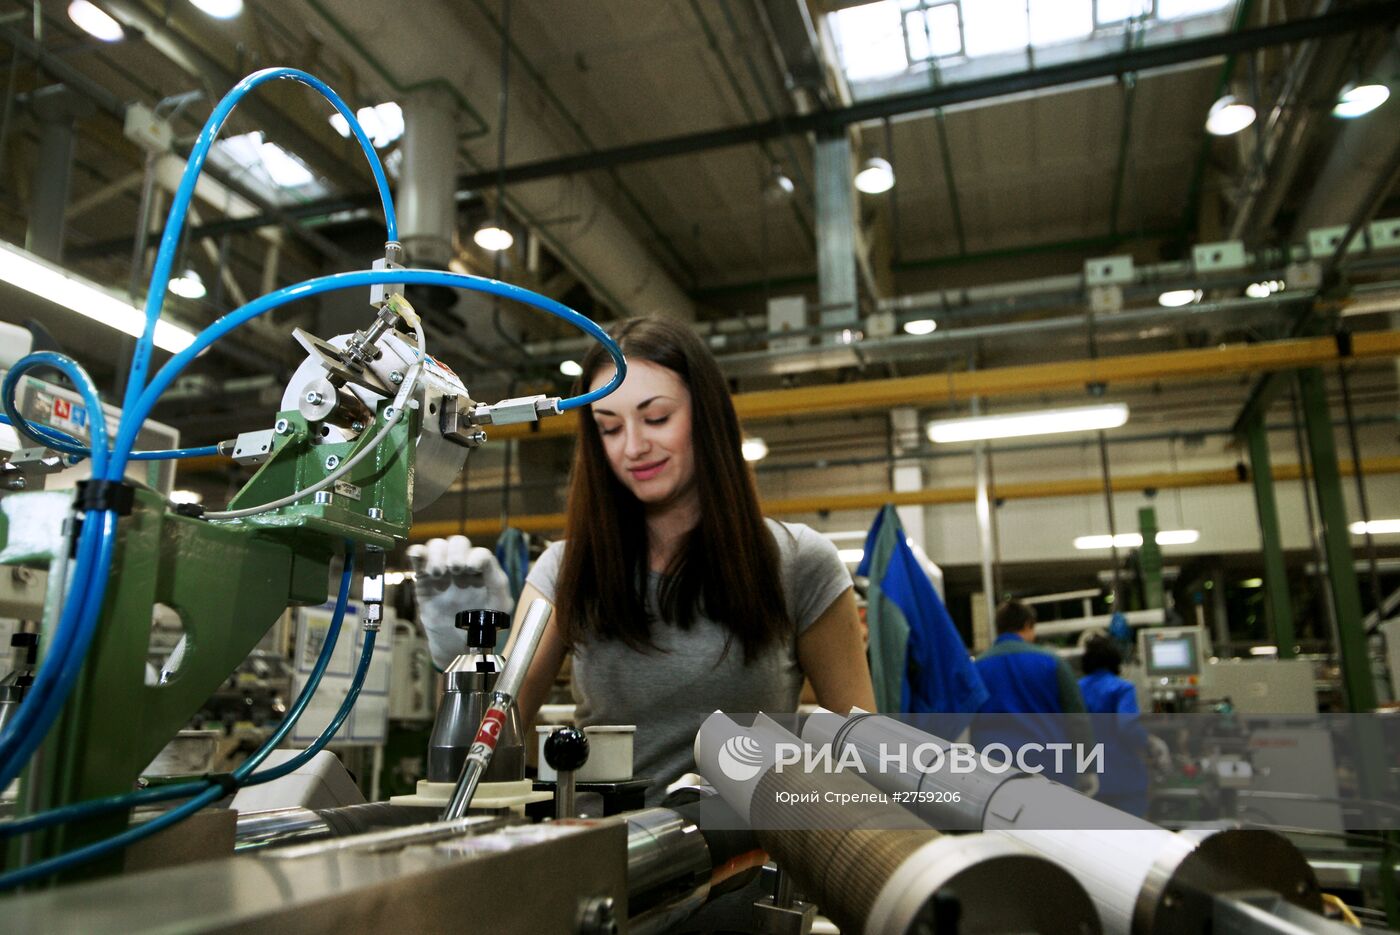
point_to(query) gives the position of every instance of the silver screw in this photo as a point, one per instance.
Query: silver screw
(332, 462)
(598, 917)
(283, 427)
(357, 426)
(389, 414)
(476, 439)
(395, 377)
(315, 398)
(17, 483)
(376, 513)
(324, 498)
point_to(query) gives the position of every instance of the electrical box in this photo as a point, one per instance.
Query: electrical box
(880, 325)
(1323, 241)
(1108, 271)
(1105, 300)
(1224, 256)
(147, 130)
(787, 313)
(1385, 235)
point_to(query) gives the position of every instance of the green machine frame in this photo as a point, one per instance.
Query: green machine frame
(228, 580)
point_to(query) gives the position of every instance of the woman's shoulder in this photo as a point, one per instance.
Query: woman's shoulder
(798, 542)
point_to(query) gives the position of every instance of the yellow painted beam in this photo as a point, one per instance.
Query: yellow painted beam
(1023, 380)
(1026, 379)
(935, 496)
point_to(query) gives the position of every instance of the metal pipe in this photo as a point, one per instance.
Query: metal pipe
(507, 688)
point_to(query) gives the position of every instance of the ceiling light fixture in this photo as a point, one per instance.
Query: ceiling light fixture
(490, 237)
(1039, 422)
(188, 285)
(1133, 540)
(1376, 527)
(1262, 290)
(1175, 298)
(94, 21)
(571, 368)
(26, 271)
(875, 176)
(219, 9)
(920, 326)
(754, 449)
(1228, 116)
(1357, 100)
(779, 187)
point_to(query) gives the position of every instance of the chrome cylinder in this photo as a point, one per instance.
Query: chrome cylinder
(668, 869)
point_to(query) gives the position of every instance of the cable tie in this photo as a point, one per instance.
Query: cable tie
(117, 496)
(224, 781)
(193, 510)
(1344, 344)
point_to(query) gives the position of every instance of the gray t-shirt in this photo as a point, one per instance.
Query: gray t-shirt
(669, 691)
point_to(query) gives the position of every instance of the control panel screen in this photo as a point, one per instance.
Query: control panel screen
(1173, 655)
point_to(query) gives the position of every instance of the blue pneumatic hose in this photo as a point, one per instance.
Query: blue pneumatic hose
(179, 205)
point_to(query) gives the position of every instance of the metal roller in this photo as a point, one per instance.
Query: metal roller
(873, 867)
(1142, 878)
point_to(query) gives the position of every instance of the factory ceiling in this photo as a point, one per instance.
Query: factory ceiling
(675, 118)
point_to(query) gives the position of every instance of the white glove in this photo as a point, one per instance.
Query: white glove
(1158, 754)
(450, 576)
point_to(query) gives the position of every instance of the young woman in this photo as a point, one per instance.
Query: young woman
(674, 594)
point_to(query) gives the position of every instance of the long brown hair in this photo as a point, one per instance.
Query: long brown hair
(728, 566)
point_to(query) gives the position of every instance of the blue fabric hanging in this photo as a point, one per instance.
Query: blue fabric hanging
(514, 555)
(917, 659)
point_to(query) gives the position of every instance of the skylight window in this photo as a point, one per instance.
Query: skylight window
(383, 123)
(898, 39)
(871, 40)
(1055, 21)
(992, 26)
(1180, 9)
(934, 32)
(269, 162)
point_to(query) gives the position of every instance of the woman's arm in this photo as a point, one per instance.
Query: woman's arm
(832, 656)
(544, 668)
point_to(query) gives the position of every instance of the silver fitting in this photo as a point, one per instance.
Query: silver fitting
(315, 398)
(254, 447)
(512, 411)
(282, 427)
(332, 462)
(323, 498)
(372, 588)
(375, 512)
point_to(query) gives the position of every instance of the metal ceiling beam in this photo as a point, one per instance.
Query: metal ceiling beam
(1368, 16)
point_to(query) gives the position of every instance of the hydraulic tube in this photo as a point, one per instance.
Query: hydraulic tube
(502, 700)
(1142, 878)
(872, 866)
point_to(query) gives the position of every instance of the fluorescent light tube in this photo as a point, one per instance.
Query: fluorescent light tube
(1042, 422)
(28, 272)
(1376, 527)
(1132, 540)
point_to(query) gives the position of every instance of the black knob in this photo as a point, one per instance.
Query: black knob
(566, 749)
(481, 625)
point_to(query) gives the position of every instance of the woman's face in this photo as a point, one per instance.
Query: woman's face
(645, 428)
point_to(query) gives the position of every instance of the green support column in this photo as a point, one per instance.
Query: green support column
(1341, 573)
(1277, 602)
(1150, 560)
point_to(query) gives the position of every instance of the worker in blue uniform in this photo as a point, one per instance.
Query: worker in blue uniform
(1123, 783)
(1032, 699)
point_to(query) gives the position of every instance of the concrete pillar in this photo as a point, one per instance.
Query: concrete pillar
(907, 473)
(57, 107)
(836, 234)
(426, 198)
